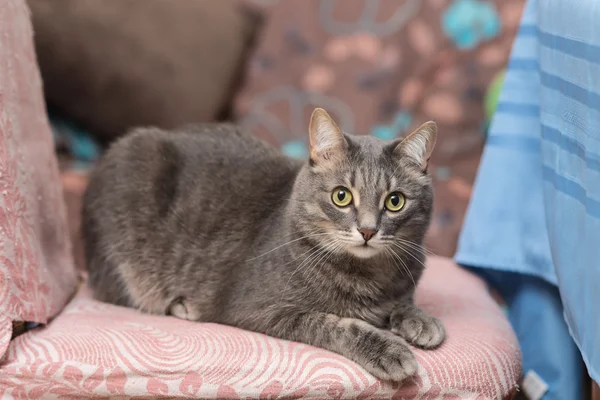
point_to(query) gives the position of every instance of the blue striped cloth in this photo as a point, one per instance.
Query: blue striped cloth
(535, 210)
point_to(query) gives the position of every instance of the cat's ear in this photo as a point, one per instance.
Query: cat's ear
(418, 145)
(327, 142)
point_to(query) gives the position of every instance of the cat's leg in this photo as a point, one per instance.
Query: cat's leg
(416, 326)
(147, 291)
(380, 352)
(106, 283)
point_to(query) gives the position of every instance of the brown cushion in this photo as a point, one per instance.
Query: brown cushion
(110, 65)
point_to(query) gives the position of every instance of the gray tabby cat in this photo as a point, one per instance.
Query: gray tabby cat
(209, 224)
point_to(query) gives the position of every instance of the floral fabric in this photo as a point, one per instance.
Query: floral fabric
(36, 270)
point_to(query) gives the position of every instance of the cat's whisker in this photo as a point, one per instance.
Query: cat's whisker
(411, 247)
(330, 252)
(404, 266)
(326, 249)
(395, 261)
(194, 241)
(319, 251)
(307, 251)
(416, 245)
(408, 249)
(416, 254)
(344, 233)
(392, 238)
(288, 243)
(315, 252)
(409, 252)
(333, 245)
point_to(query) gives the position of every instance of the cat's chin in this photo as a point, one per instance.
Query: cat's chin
(363, 251)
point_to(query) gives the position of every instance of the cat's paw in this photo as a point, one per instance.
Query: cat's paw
(395, 363)
(183, 309)
(418, 328)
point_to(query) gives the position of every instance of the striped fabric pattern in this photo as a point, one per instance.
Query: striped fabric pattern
(539, 181)
(94, 349)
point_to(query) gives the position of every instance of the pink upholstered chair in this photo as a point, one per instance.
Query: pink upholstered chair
(89, 349)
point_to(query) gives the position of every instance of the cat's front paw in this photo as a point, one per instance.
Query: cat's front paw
(418, 328)
(184, 309)
(395, 363)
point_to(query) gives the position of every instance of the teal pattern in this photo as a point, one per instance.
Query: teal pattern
(80, 143)
(296, 149)
(469, 22)
(398, 126)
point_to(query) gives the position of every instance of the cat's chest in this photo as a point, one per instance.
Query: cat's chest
(363, 299)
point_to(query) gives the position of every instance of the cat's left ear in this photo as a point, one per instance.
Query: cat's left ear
(418, 145)
(327, 142)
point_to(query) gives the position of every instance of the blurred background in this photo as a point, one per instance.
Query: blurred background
(380, 67)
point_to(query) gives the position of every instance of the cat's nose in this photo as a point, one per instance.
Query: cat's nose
(367, 233)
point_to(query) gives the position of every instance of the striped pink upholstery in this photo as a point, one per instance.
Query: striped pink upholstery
(98, 349)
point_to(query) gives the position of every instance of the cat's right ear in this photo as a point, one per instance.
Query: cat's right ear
(327, 142)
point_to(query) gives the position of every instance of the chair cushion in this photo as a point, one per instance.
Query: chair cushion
(94, 348)
(37, 275)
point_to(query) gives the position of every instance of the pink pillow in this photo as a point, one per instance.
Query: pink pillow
(37, 275)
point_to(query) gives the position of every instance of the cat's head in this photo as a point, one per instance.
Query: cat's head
(362, 195)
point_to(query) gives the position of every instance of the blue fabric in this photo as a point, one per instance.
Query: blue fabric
(80, 144)
(535, 310)
(536, 206)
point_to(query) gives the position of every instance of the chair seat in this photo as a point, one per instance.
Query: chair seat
(97, 349)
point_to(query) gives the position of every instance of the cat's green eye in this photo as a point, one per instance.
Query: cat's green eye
(395, 201)
(341, 196)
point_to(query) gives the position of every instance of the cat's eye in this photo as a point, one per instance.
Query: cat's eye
(341, 196)
(394, 201)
